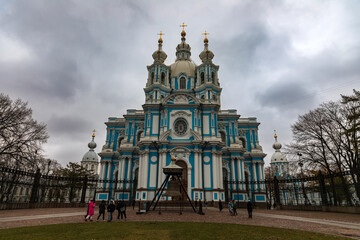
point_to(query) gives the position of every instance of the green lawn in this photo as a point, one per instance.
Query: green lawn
(156, 230)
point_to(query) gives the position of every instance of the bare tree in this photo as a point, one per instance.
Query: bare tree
(328, 139)
(21, 136)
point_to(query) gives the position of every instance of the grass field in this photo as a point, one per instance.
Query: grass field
(156, 230)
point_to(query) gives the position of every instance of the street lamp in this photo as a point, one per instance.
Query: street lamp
(302, 175)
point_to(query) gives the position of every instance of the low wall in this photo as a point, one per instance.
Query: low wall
(338, 209)
(10, 206)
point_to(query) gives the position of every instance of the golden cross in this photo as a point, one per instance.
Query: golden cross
(161, 34)
(183, 26)
(205, 33)
(94, 133)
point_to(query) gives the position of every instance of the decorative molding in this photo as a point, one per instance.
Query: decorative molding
(241, 132)
(196, 136)
(180, 114)
(221, 126)
(181, 99)
(165, 135)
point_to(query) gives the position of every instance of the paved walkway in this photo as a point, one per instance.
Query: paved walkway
(331, 223)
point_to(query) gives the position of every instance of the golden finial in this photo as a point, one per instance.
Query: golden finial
(205, 34)
(275, 136)
(93, 135)
(183, 26)
(183, 33)
(161, 34)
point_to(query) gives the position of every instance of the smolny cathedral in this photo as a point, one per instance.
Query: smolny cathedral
(182, 117)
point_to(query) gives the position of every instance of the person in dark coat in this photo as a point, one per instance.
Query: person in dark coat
(111, 210)
(200, 209)
(102, 207)
(122, 210)
(133, 204)
(118, 209)
(234, 208)
(220, 205)
(249, 208)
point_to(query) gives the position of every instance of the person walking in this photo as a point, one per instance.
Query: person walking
(102, 207)
(234, 208)
(118, 209)
(230, 205)
(90, 211)
(122, 210)
(200, 209)
(249, 209)
(133, 204)
(110, 209)
(220, 205)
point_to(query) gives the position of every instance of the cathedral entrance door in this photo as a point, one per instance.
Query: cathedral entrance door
(183, 179)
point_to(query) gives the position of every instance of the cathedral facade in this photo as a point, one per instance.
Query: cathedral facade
(182, 117)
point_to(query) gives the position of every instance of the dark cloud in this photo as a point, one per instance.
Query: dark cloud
(86, 60)
(283, 95)
(68, 125)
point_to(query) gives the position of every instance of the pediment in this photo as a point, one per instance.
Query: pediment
(180, 98)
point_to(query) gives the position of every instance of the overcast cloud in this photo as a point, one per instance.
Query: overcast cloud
(79, 62)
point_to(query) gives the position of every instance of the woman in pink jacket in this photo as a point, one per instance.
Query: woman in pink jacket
(90, 211)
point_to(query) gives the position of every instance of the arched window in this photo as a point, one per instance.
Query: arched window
(182, 83)
(243, 142)
(223, 137)
(202, 77)
(214, 97)
(213, 77)
(203, 97)
(119, 141)
(152, 77)
(138, 136)
(162, 78)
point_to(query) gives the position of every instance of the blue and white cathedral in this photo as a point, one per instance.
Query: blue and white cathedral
(182, 117)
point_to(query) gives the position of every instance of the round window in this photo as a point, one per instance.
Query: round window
(180, 126)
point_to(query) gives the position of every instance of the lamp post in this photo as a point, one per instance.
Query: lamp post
(302, 182)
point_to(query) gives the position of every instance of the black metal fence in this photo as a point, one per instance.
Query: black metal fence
(337, 189)
(21, 187)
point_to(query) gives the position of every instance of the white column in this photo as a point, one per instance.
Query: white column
(140, 171)
(200, 171)
(242, 169)
(239, 170)
(220, 172)
(160, 159)
(128, 176)
(255, 177)
(118, 176)
(214, 175)
(196, 169)
(108, 175)
(123, 172)
(189, 182)
(262, 176)
(233, 172)
(146, 169)
(103, 165)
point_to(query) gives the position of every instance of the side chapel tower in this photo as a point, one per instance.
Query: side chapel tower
(279, 163)
(182, 116)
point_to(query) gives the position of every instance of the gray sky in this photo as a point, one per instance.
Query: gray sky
(79, 62)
